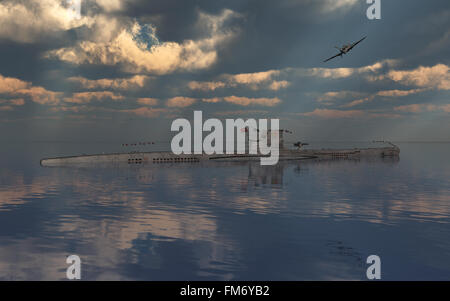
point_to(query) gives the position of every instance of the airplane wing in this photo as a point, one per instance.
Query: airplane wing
(356, 43)
(332, 57)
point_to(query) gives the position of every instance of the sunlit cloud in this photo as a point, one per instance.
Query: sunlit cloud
(16, 87)
(205, 86)
(27, 22)
(399, 93)
(212, 100)
(134, 53)
(329, 6)
(437, 77)
(339, 73)
(241, 113)
(357, 102)
(40, 95)
(147, 101)
(9, 84)
(393, 94)
(86, 97)
(331, 73)
(326, 6)
(253, 78)
(277, 85)
(254, 81)
(328, 113)
(111, 5)
(246, 101)
(181, 102)
(333, 95)
(137, 81)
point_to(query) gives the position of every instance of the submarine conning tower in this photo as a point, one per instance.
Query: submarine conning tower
(280, 133)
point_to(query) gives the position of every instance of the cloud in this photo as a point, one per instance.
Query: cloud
(253, 78)
(418, 108)
(277, 85)
(9, 104)
(332, 95)
(137, 81)
(180, 102)
(136, 48)
(266, 79)
(9, 84)
(246, 101)
(331, 73)
(17, 101)
(133, 57)
(86, 97)
(385, 93)
(241, 112)
(212, 100)
(326, 6)
(257, 80)
(339, 73)
(326, 113)
(14, 102)
(17, 87)
(147, 101)
(110, 5)
(205, 86)
(330, 6)
(254, 81)
(146, 112)
(414, 108)
(399, 93)
(40, 95)
(357, 102)
(30, 21)
(437, 77)
(72, 109)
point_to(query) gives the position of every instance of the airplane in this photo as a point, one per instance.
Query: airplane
(344, 50)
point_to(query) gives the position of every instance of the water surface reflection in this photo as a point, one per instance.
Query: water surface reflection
(219, 221)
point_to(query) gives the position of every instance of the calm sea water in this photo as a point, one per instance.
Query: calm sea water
(223, 221)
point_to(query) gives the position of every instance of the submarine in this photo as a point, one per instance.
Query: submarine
(168, 157)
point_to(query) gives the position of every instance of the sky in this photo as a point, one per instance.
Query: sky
(123, 70)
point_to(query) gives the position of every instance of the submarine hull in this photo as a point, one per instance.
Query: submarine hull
(169, 157)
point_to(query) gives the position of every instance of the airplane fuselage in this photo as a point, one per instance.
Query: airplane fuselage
(346, 49)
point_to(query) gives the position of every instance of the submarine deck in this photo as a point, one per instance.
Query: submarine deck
(168, 157)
